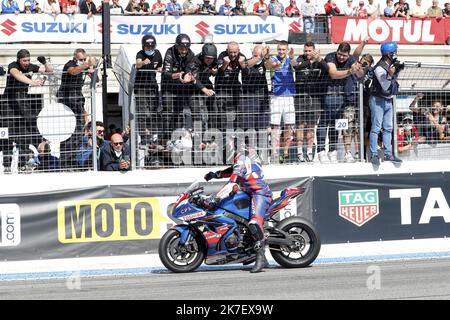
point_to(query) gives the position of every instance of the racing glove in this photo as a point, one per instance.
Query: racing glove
(213, 175)
(42, 59)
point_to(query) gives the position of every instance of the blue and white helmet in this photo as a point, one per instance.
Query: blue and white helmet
(388, 47)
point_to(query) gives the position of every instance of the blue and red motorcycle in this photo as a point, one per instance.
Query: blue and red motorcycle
(221, 235)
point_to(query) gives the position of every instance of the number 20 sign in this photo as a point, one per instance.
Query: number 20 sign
(341, 124)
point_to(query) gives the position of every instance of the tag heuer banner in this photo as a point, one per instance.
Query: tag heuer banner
(385, 207)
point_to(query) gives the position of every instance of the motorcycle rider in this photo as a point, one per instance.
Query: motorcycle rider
(246, 172)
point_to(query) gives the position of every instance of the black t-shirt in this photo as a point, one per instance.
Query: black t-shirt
(310, 76)
(337, 85)
(254, 79)
(146, 75)
(201, 72)
(72, 82)
(402, 8)
(174, 63)
(230, 76)
(12, 84)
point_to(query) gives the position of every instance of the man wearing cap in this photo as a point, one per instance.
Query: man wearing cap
(22, 109)
(202, 67)
(177, 86)
(407, 135)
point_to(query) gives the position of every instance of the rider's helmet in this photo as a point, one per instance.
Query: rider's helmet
(388, 48)
(209, 51)
(182, 41)
(148, 41)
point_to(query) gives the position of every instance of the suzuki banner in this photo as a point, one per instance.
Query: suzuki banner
(411, 31)
(46, 28)
(104, 220)
(130, 29)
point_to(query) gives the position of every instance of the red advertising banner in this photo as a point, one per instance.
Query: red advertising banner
(411, 31)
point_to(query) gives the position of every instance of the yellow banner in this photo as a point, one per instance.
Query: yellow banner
(110, 220)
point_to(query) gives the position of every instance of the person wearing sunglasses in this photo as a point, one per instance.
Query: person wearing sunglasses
(84, 153)
(116, 156)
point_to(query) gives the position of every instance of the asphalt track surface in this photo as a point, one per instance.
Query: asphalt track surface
(406, 279)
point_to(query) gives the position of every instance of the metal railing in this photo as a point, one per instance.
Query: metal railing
(174, 125)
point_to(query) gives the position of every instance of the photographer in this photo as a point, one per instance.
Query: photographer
(384, 87)
(22, 107)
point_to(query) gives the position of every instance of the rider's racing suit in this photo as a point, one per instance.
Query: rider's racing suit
(248, 175)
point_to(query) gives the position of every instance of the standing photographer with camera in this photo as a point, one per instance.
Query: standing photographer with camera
(22, 109)
(384, 87)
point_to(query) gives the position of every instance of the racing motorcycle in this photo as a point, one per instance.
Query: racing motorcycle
(221, 235)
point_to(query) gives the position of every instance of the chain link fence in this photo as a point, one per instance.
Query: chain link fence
(423, 112)
(45, 125)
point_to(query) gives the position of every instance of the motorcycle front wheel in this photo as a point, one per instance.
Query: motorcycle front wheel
(304, 249)
(177, 257)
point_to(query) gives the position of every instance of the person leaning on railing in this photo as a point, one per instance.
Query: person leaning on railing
(70, 94)
(158, 7)
(402, 9)
(189, 7)
(446, 10)
(276, 9)
(51, 7)
(239, 9)
(10, 6)
(88, 7)
(148, 106)
(310, 72)
(20, 103)
(206, 8)
(435, 11)
(69, 6)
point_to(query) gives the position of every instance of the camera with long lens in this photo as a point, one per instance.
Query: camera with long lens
(399, 66)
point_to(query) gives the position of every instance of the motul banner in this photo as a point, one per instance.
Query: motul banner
(104, 220)
(130, 29)
(385, 207)
(411, 31)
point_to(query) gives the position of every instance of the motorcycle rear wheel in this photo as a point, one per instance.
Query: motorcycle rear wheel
(303, 251)
(180, 258)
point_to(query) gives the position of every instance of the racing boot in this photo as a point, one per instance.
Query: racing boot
(261, 261)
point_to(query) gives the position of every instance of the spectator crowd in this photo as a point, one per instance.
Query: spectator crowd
(307, 9)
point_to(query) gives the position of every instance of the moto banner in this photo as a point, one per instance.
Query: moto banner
(104, 220)
(131, 29)
(385, 207)
(403, 31)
